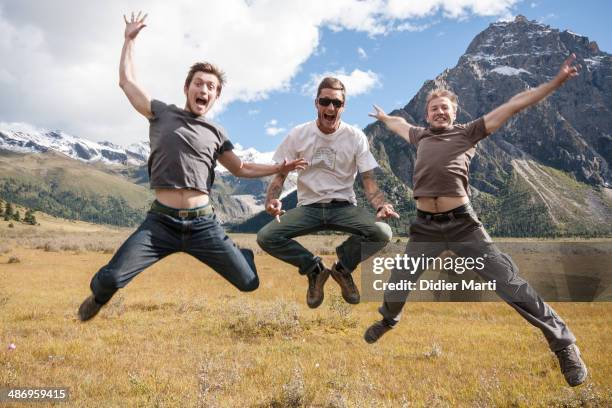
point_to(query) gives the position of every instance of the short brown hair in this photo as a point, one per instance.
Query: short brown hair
(441, 93)
(331, 83)
(208, 68)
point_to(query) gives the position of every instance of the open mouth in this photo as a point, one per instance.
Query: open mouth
(201, 102)
(329, 117)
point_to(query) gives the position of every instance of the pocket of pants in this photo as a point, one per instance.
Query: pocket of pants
(474, 219)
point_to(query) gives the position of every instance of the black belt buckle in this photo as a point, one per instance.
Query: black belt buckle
(183, 214)
(442, 217)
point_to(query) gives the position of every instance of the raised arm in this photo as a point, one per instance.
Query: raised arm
(238, 168)
(376, 197)
(395, 123)
(497, 117)
(127, 79)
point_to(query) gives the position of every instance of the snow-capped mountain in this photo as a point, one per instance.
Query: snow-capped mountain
(236, 198)
(25, 138)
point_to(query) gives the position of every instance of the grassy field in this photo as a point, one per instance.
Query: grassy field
(180, 336)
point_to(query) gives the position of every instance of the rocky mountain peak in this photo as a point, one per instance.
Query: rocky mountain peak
(570, 132)
(525, 42)
(511, 56)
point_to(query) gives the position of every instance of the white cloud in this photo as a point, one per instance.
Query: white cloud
(59, 59)
(362, 53)
(408, 26)
(356, 83)
(401, 9)
(272, 129)
(253, 112)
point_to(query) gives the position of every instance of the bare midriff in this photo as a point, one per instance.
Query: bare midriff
(181, 198)
(440, 204)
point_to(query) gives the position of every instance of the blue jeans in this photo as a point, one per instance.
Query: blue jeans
(161, 235)
(276, 237)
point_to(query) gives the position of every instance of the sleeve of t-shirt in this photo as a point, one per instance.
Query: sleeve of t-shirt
(365, 159)
(285, 150)
(414, 134)
(476, 130)
(225, 144)
(157, 107)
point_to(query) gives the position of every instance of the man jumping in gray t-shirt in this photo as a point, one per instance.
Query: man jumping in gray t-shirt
(185, 147)
(446, 218)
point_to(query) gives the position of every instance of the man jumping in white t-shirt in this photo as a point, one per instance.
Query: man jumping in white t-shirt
(326, 199)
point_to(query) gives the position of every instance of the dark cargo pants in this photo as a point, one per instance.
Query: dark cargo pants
(276, 237)
(466, 237)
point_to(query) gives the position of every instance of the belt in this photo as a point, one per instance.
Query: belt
(331, 204)
(463, 211)
(188, 213)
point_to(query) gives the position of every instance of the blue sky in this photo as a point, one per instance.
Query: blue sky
(403, 61)
(60, 72)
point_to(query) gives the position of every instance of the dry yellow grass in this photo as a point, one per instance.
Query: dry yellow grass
(180, 336)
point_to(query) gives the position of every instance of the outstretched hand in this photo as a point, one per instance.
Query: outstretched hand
(134, 25)
(378, 113)
(568, 69)
(386, 211)
(274, 208)
(288, 166)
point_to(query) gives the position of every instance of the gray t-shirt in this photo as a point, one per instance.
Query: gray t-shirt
(184, 148)
(443, 158)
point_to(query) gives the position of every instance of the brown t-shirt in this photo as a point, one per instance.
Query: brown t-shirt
(184, 148)
(443, 158)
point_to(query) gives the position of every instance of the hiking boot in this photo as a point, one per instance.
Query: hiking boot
(350, 293)
(316, 282)
(376, 331)
(573, 368)
(89, 308)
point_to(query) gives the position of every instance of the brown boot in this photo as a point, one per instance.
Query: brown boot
(316, 282)
(572, 366)
(376, 331)
(89, 308)
(350, 293)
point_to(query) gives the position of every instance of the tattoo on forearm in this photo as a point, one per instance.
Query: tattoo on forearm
(274, 191)
(275, 188)
(376, 198)
(371, 190)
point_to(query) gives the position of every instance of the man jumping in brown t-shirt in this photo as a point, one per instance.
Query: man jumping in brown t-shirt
(444, 214)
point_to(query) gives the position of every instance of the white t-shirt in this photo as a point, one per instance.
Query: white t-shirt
(333, 161)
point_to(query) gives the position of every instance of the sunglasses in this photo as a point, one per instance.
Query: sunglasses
(326, 101)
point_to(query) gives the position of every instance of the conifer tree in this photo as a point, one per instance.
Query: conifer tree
(29, 217)
(9, 209)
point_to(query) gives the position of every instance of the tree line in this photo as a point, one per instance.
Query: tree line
(9, 213)
(75, 205)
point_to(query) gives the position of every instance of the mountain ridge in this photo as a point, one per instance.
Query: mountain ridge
(548, 154)
(546, 172)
